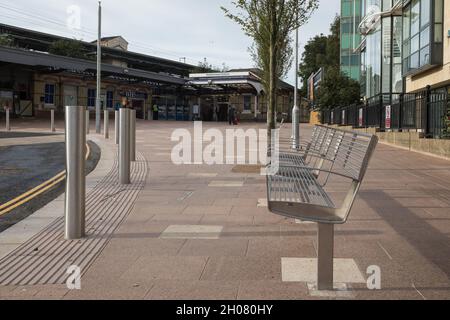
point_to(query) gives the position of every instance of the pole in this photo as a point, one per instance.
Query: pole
(124, 147)
(117, 127)
(52, 120)
(133, 135)
(75, 205)
(99, 72)
(256, 106)
(325, 257)
(8, 125)
(296, 109)
(88, 129)
(106, 124)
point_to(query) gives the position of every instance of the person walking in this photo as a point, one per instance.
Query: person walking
(231, 115)
(155, 113)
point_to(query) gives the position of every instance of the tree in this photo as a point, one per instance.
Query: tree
(270, 24)
(6, 40)
(205, 66)
(336, 89)
(313, 58)
(320, 52)
(68, 48)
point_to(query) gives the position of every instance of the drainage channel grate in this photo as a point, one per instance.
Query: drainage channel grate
(45, 258)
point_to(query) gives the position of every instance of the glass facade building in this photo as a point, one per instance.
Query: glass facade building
(350, 38)
(422, 35)
(381, 70)
(399, 38)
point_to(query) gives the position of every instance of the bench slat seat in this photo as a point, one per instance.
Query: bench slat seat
(297, 185)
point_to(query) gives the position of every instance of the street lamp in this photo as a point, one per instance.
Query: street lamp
(99, 71)
(296, 109)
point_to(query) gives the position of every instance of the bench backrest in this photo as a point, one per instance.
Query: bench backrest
(346, 151)
(352, 152)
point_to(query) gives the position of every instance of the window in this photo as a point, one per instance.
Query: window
(49, 94)
(422, 19)
(110, 99)
(92, 97)
(247, 103)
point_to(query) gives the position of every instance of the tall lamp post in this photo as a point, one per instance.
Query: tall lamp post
(99, 72)
(296, 109)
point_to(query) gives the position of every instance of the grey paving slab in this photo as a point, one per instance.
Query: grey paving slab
(195, 290)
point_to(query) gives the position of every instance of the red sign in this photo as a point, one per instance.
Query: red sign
(388, 117)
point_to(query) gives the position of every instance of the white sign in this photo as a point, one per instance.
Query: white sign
(388, 117)
(6, 94)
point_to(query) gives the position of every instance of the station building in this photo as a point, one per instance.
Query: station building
(33, 81)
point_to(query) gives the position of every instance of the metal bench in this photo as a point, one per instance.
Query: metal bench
(297, 187)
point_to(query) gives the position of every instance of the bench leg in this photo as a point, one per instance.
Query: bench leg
(325, 257)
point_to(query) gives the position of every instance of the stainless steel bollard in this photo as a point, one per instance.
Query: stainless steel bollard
(52, 120)
(75, 205)
(117, 129)
(133, 135)
(124, 147)
(296, 128)
(106, 124)
(88, 128)
(8, 126)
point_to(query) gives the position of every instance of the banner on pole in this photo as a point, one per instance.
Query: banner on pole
(388, 117)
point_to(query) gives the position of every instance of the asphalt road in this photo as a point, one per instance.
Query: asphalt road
(25, 167)
(10, 135)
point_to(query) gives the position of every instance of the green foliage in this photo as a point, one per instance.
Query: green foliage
(68, 48)
(6, 40)
(322, 51)
(337, 89)
(205, 66)
(270, 24)
(447, 124)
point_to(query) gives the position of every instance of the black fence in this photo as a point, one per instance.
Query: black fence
(426, 111)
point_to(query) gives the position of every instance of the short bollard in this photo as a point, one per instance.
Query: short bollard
(133, 136)
(75, 205)
(106, 124)
(117, 127)
(52, 120)
(124, 147)
(8, 126)
(88, 127)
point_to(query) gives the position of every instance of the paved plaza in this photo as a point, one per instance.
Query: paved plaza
(205, 232)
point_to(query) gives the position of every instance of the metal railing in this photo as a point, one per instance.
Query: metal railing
(426, 111)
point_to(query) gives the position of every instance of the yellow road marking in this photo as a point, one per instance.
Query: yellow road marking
(26, 194)
(33, 193)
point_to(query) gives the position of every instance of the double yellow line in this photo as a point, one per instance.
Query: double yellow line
(33, 193)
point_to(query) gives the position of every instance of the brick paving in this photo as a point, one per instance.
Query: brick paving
(204, 232)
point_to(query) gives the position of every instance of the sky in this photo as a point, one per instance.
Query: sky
(172, 29)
